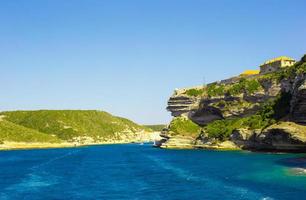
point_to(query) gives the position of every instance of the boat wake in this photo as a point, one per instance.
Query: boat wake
(209, 183)
(70, 153)
(35, 179)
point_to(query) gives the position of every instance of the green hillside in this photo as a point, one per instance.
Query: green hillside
(16, 133)
(66, 124)
(156, 127)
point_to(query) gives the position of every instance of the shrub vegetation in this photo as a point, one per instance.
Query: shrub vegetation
(194, 92)
(271, 111)
(183, 126)
(157, 127)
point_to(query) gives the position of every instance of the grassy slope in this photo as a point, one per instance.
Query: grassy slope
(248, 86)
(184, 127)
(66, 124)
(16, 133)
(157, 127)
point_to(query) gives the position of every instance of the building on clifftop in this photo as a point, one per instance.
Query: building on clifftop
(276, 64)
(249, 73)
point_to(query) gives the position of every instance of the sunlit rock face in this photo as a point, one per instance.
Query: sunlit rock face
(284, 136)
(181, 104)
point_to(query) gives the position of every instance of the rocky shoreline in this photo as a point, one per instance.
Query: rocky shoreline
(281, 137)
(26, 146)
(180, 142)
(10, 145)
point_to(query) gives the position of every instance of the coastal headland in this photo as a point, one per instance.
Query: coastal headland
(259, 110)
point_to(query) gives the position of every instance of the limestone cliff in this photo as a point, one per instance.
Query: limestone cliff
(220, 101)
(253, 106)
(298, 104)
(180, 104)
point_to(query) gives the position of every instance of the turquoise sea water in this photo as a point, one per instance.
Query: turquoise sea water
(135, 171)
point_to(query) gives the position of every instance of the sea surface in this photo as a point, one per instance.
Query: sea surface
(134, 171)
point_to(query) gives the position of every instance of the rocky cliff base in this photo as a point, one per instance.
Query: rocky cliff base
(280, 137)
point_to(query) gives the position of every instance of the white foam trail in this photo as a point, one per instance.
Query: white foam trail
(34, 180)
(242, 193)
(30, 183)
(54, 159)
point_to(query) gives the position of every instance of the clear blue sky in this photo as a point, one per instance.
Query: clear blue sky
(127, 56)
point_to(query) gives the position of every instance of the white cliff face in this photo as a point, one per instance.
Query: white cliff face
(126, 136)
(138, 136)
(181, 104)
